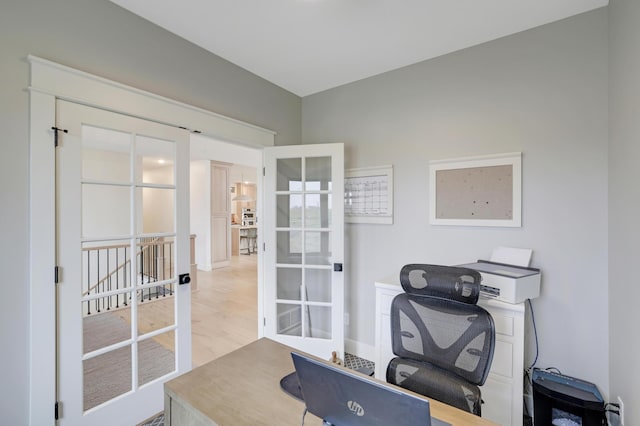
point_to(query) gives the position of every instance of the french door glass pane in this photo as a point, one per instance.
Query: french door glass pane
(317, 247)
(289, 319)
(289, 211)
(106, 155)
(317, 211)
(289, 247)
(156, 260)
(289, 174)
(318, 173)
(319, 318)
(106, 266)
(288, 283)
(155, 311)
(156, 357)
(106, 376)
(158, 207)
(106, 328)
(156, 160)
(106, 210)
(318, 285)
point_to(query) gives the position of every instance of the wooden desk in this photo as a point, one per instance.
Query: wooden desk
(243, 388)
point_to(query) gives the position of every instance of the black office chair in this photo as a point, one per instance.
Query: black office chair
(443, 341)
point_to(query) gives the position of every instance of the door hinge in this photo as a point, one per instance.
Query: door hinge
(264, 321)
(55, 134)
(264, 171)
(56, 275)
(56, 413)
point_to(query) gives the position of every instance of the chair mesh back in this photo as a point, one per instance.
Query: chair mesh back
(450, 282)
(455, 336)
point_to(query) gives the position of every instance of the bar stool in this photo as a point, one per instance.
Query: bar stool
(250, 236)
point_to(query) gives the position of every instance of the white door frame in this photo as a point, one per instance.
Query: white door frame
(48, 81)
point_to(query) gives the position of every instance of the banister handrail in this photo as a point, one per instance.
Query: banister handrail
(145, 245)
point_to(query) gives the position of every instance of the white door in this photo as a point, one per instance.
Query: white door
(124, 326)
(304, 247)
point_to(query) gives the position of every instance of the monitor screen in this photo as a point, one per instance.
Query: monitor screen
(342, 397)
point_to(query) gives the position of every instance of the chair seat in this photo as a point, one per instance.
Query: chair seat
(436, 383)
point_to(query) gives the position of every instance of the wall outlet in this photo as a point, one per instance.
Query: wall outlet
(621, 404)
(346, 319)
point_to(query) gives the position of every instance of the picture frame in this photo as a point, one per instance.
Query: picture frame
(476, 191)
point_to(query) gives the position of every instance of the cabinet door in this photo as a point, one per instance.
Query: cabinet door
(220, 216)
(497, 399)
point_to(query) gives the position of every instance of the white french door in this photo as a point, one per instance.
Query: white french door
(122, 246)
(303, 230)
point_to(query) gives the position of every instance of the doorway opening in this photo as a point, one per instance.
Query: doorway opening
(224, 227)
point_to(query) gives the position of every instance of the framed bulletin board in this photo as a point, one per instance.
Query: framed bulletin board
(368, 195)
(476, 191)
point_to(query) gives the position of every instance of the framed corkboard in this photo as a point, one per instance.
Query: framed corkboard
(476, 191)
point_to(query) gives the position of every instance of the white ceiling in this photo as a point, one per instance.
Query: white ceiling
(307, 46)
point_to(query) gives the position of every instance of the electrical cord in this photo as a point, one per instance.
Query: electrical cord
(304, 413)
(535, 359)
(535, 333)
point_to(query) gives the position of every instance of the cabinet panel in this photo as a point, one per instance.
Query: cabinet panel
(219, 191)
(220, 242)
(385, 304)
(387, 350)
(502, 359)
(498, 400)
(220, 215)
(504, 325)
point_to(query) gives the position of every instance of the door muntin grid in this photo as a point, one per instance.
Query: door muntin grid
(128, 233)
(303, 247)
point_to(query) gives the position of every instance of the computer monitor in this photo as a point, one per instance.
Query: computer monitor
(342, 397)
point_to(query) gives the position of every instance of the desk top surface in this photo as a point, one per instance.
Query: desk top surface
(243, 388)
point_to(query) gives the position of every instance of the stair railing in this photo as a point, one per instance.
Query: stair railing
(153, 266)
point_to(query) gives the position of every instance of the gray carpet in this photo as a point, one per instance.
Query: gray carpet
(109, 375)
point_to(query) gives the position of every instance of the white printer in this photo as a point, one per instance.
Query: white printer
(508, 283)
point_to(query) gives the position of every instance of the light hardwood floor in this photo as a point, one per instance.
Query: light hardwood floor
(224, 309)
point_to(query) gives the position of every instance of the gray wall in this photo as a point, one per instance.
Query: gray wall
(542, 92)
(624, 203)
(101, 38)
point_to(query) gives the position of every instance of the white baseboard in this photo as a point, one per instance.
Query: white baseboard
(205, 267)
(360, 349)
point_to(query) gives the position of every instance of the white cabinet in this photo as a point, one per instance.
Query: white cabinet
(502, 392)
